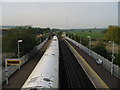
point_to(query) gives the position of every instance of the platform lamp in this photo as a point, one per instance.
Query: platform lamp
(19, 41)
(89, 43)
(74, 36)
(80, 39)
(112, 56)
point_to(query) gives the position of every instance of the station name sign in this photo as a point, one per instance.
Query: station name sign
(13, 61)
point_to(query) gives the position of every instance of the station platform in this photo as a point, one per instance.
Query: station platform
(99, 76)
(20, 76)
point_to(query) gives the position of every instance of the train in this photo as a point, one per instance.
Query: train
(46, 72)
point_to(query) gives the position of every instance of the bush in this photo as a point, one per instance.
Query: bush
(85, 41)
(101, 50)
(117, 59)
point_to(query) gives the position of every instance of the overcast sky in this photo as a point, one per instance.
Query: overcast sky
(55, 15)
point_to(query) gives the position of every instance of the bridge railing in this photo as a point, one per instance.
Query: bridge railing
(106, 63)
(25, 58)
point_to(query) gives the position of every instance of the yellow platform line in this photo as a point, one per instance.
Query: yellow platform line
(93, 76)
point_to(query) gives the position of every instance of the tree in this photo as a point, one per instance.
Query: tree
(101, 50)
(10, 40)
(26, 33)
(85, 41)
(113, 34)
(104, 31)
(90, 31)
(59, 33)
(83, 31)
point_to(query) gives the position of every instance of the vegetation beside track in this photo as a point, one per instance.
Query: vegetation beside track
(30, 37)
(99, 40)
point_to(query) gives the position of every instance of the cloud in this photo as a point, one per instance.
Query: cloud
(60, 0)
(54, 14)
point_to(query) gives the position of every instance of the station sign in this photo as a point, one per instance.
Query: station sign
(13, 61)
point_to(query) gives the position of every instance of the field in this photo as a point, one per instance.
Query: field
(93, 34)
(97, 38)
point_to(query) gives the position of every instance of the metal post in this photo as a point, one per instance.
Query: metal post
(18, 54)
(89, 44)
(113, 57)
(43, 36)
(6, 70)
(40, 39)
(113, 52)
(74, 36)
(18, 50)
(80, 42)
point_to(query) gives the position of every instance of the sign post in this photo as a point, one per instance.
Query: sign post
(10, 62)
(6, 70)
(19, 41)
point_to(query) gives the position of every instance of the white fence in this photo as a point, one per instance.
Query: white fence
(25, 58)
(106, 63)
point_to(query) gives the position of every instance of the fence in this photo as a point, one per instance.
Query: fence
(25, 58)
(106, 63)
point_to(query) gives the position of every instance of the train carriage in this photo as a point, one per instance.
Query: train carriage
(46, 72)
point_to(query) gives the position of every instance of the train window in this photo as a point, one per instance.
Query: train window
(54, 39)
(49, 86)
(46, 79)
(33, 89)
(50, 54)
(53, 54)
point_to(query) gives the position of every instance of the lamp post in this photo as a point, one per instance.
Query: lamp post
(80, 40)
(112, 56)
(71, 36)
(67, 35)
(19, 49)
(89, 43)
(40, 37)
(74, 36)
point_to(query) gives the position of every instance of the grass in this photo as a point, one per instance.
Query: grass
(93, 34)
(97, 37)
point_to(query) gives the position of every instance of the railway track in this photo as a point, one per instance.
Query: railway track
(73, 72)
